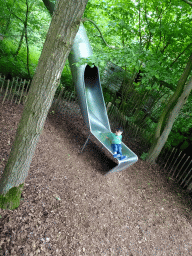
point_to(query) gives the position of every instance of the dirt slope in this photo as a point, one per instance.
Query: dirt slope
(69, 207)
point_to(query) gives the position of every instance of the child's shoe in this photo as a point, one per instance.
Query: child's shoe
(115, 155)
(122, 158)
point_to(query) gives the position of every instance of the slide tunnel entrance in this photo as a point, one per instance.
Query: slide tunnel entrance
(95, 100)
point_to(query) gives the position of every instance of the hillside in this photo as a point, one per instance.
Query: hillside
(69, 207)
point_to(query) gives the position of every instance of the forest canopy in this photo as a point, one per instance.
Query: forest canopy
(150, 40)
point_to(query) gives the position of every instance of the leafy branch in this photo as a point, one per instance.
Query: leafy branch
(91, 61)
(188, 2)
(85, 19)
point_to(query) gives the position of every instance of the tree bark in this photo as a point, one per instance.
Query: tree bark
(63, 28)
(171, 111)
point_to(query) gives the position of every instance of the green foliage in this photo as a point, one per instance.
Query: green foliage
(180, 135)
(158, 46)
(144, 156)
(108, 96)
(33, 58)
(91, 61)
(17, 66)
(9, 65)
(184, 145)
(66, 79)
(12, 199)
(12, 19)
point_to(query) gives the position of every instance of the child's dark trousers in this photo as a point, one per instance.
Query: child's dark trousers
(117, 148)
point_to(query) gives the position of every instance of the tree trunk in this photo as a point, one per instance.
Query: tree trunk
(58, 43)
(24, 33)
(171, 111)
(20, 42)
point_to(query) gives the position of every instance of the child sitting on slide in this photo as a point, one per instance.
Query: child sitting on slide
(116, 139)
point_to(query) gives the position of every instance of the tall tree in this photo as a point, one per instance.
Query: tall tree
(172, 108)
(24, 33)
(63, 28)
(170, 113)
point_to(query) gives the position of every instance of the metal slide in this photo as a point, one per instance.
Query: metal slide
(90, 97)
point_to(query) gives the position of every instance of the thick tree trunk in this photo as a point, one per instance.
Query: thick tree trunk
(62, 31)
